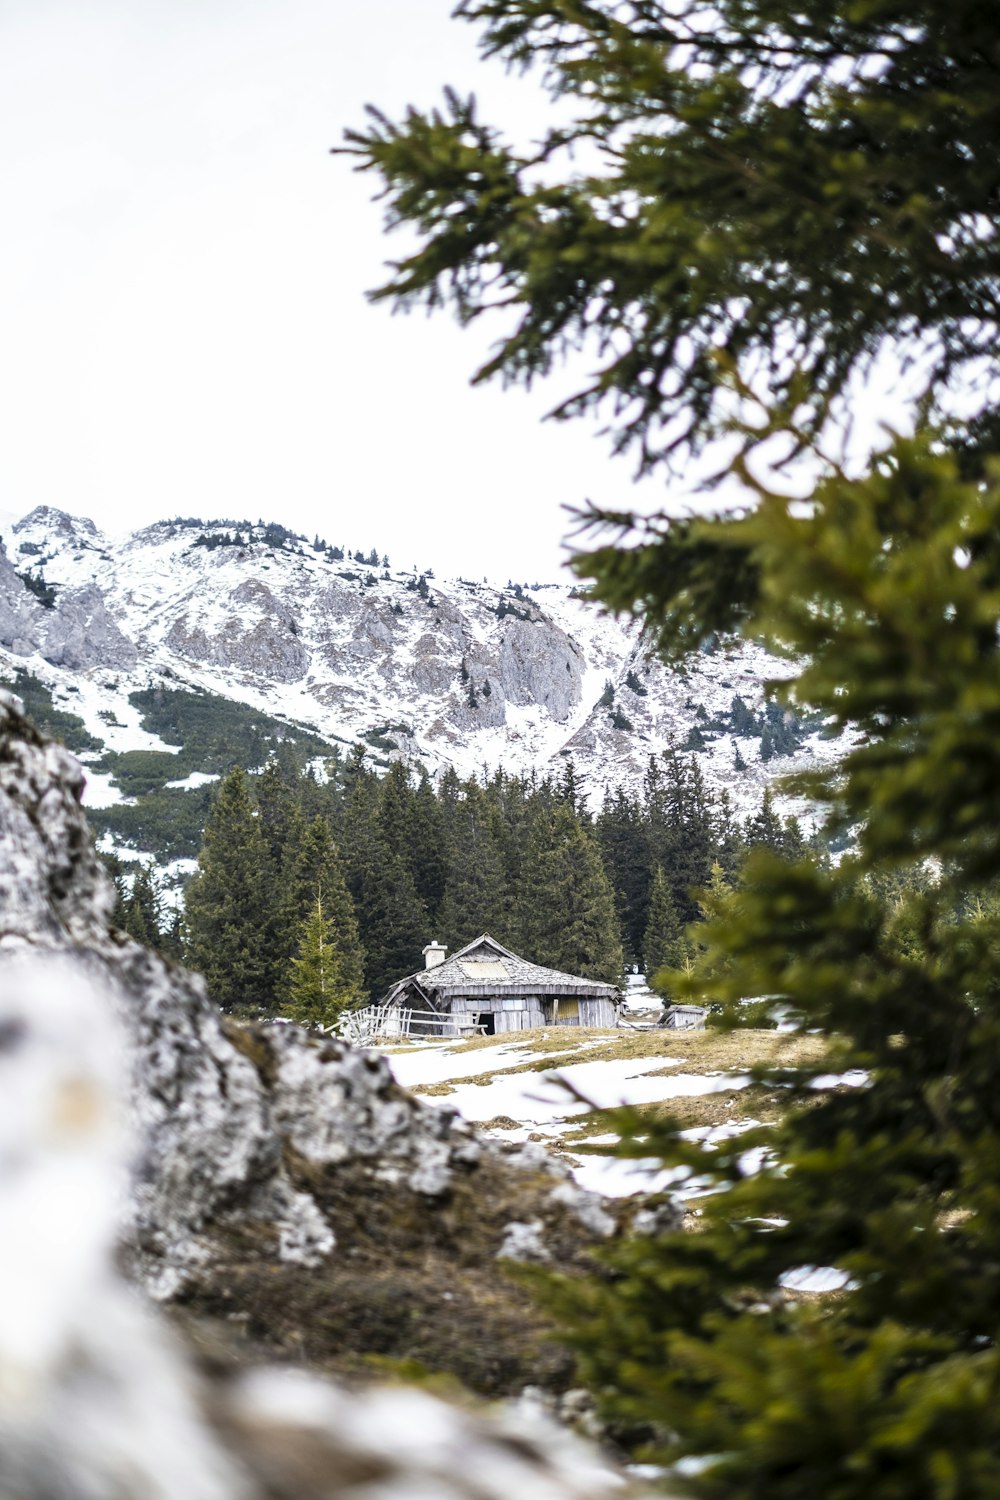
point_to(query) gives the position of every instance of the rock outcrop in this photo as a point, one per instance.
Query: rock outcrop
(101, 1398)
(286, 1189)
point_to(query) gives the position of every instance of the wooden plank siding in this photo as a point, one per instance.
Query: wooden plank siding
(465, 991)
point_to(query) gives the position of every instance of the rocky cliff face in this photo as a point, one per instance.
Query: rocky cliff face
(451, 672)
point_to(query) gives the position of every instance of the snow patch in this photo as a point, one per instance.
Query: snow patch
(189, 783)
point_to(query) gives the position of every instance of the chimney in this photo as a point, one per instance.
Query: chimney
(433, 955)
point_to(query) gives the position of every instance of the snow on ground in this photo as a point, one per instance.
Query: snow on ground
(613, 1177)
(542, 1098)
(99, 790)
(544, 1102)
(543, 1107)
(411, 1069)
(171, 883)
(616, 1178)
(107, 844)
(709, 1134)
(189, 783)
(101, 701)
(853, 1079)
(375, 658)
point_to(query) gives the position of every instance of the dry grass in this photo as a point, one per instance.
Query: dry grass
(732, 1107)
(687, 1051)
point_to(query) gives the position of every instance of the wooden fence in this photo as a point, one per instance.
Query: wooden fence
(383, 1023)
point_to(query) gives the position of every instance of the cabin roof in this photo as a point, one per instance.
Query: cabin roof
(485, 967)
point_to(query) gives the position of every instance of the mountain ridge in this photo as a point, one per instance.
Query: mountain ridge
(438, 672)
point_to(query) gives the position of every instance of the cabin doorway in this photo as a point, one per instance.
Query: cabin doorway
(488, 1021)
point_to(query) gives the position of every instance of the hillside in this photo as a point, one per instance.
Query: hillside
(165, 656)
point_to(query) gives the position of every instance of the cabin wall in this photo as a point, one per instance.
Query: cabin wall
(522, 1012)
(599, 1012)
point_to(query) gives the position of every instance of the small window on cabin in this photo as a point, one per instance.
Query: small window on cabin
(485, 968)
(569, 1009)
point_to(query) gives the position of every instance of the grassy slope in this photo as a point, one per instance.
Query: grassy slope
(414, 1287)
(688, 1051)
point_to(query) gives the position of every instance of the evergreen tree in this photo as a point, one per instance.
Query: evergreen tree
(765, 829)
(227, 916)
(664, 946)
(774, 196)
(623, 838)
(135, 925)
(730, 848)
(449, 794)
(116, 870)
(392, 922)
(682, 834)
(741, 720)
(793, 840)
(428, 861)
(276, 807)
(396, 812)
(142, 909)
(567, 909)
(569, 789)
(313, 872)
(321, 985)
(475, 893)
(513, 810)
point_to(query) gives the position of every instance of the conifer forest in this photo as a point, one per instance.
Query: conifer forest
(750, 218)
(757, 244)
(315, 895)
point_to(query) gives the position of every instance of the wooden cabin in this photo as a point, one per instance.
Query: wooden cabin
(487, 988)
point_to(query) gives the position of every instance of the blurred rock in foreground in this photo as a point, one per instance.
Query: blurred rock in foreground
(235, 1159)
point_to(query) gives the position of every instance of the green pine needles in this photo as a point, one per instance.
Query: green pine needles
(323, 981)
(888, 1387)
(744, 205)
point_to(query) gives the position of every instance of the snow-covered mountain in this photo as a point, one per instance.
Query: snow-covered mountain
(441, 672)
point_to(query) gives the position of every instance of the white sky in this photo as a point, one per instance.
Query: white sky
(183, 327)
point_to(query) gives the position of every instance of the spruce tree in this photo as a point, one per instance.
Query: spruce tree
(682, 831)
(228, 915)
(138, 908)
(313, 872)
(623, 838)
(765, 829)
(569, 789)
(567, 909)
(513, 813)
(396, 811)
(475, 896)
(116, 869)
(324, 981)
(135, 924)
(275, 809)
(392, 921)
(774, 196)
(428, 860)
(664, 945)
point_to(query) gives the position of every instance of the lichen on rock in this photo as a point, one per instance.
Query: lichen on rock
(101, 1398)
(285, 1179)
